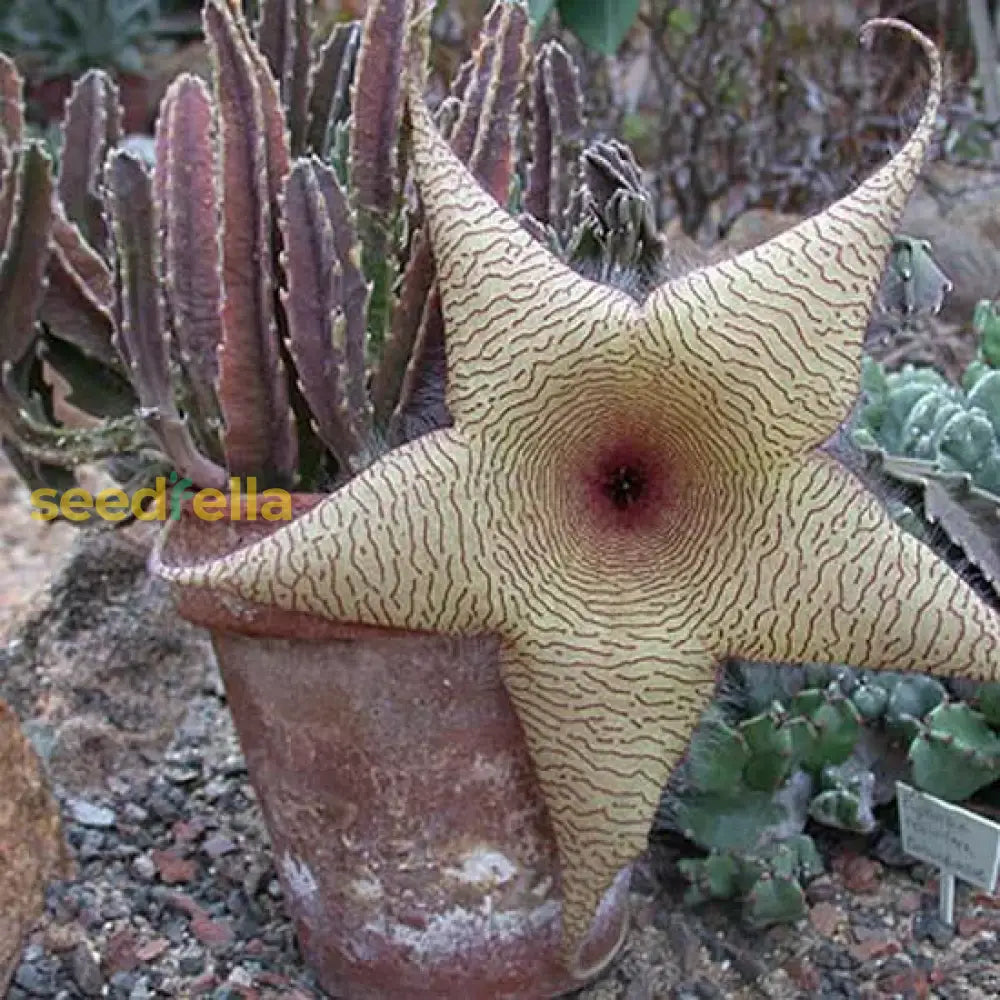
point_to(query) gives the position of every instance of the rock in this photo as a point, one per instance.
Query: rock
(826, 918)
(860, 874)
(32, 849)
(930, 927)
(85, 971)
(152, 949)
(214, 933)
(172, 868)
(59, 938)
(121, 984)
(140, 990)
(187, 831)
(970, 926)
(805, 975)
(135, 813)
(874, 946)
(191, 963)
(143, 867)
(120, 952)
(34, 979)
(104, 625)
(821, 890)
(90, 814)
(684, 942)
(216, 846)
(909, 983)
(965, 240)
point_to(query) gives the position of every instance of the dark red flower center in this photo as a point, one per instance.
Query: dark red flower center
(626, 487)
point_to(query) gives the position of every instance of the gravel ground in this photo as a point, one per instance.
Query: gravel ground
(175, 894)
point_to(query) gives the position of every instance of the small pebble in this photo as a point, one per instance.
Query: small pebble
(134, 812)
(191, 963)
(144, 867)
(140, 991)
(85, 971)
(90, 814)
(930, 927)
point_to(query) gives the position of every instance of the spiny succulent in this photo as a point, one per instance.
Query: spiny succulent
(317, 356)
(261, 303)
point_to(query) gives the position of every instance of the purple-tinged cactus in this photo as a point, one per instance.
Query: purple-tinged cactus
(378, 84)
(262, 303)
(485, 134)
(92, 127)
(186, 193)
(253, 390)
(81, 298)
(25, 253)
(557, 133)
(326, 302)
(142, 338)
(283, 35)
(11, 108)
(330, 85)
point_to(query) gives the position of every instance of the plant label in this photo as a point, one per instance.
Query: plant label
(960, 843)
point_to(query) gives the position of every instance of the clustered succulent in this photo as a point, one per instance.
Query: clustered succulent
(829, 748)
(261, 302)
(941, 441)
(65, 37)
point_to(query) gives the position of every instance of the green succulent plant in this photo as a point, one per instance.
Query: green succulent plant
(750, 784)
(66, 37)
(600, 24)
(769, 884)
(941, 440)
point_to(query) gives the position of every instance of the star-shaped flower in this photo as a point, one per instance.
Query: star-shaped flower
(629, 495)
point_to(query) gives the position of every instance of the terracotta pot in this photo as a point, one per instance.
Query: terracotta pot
(407, 827)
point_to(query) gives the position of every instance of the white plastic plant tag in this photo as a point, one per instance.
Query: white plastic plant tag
(960, 843)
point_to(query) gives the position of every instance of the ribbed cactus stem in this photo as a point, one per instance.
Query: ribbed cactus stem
(283, 36)
(260, 436)
(377, 105)
(11, 108)
(325, 303)
(25, 253)
(143, 334)
(80, 299)
(185, 186)
(330, 85)
(92, 127)
(556, 138)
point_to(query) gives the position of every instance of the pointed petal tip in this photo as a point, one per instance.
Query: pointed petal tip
(591, 940)
(884, 195)
(933, 54)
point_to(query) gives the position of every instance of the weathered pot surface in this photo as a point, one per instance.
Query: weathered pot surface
(407, 827)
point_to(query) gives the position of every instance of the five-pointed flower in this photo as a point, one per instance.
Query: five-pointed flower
(630, 494)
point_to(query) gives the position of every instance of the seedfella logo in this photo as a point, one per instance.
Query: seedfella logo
(163, 501)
